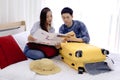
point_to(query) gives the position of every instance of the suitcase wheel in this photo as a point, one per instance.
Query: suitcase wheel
(105, 52)
(78, 53)
(80, 70)
(62, 57)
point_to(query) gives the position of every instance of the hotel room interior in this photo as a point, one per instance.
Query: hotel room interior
(101, 17)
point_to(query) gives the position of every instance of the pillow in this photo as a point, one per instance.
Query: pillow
(10, 52)
(21, 39)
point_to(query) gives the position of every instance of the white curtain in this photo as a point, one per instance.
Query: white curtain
(17, 10)
(102, 17)
(11, 10)
(114, 29)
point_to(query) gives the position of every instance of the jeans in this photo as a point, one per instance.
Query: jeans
(33, 54)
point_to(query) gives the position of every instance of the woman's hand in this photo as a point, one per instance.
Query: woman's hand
(31, 38)
(58, 45)
(64, 40)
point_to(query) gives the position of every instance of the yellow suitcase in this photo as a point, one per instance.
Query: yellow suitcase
(76, 55)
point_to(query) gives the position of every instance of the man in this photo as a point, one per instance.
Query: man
(80, 30)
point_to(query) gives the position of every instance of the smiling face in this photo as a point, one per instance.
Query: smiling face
(67, 18)
(49, 17)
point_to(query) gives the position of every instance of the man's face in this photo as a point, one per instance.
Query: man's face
(67, 18)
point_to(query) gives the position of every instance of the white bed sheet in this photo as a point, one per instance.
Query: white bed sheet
(68, 73)
(21, 71)
(17, 71)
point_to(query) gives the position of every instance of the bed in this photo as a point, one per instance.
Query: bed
(21, 70)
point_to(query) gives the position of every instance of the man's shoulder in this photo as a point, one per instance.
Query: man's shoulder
(62, 26)
(78, 22)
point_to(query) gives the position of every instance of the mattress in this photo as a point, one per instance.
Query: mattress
(21, 70)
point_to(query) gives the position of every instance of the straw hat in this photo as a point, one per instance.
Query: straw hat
(44, 66)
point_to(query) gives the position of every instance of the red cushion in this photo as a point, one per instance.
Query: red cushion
(49, 51)
(10, 52)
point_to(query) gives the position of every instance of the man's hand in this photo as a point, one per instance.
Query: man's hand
(71, 34)
(74, 39)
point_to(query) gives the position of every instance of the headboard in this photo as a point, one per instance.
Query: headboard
(12, 28)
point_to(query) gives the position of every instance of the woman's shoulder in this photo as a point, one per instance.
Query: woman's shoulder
(35, 27)
(51, 30)
(37, 23)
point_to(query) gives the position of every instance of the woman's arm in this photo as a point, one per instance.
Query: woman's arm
(31, 38)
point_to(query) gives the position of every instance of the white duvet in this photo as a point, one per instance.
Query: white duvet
(21, 71)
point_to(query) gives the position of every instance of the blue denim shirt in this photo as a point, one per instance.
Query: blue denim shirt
(79, 29)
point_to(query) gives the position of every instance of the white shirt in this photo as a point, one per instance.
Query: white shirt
(37, 26)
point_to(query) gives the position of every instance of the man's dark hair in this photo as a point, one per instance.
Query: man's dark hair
(67, 10)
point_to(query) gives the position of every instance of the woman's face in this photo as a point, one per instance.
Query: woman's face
(49, 17)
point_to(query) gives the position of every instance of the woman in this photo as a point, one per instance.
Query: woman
(44, 24)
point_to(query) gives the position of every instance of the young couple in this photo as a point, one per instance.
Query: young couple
(77, 27)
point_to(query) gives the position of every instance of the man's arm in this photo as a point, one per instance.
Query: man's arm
(85, 34)
(72, 37)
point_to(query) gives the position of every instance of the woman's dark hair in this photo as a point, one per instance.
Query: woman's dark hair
(43, 16)
(67, 10)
